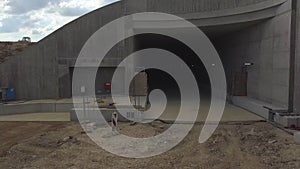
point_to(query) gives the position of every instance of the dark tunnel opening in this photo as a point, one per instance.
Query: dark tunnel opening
(158, 79)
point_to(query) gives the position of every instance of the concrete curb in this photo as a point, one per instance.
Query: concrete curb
(10, 109)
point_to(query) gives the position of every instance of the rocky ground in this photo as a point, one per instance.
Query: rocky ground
(63, 145)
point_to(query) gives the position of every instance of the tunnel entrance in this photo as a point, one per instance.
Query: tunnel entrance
(237, 46)
(158, 79)
(239, 51)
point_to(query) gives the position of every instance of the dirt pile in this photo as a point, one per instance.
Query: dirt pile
(64, 145)
(9, 49)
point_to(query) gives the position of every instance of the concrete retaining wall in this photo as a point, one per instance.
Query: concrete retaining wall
(267, 45)
(42, 71)
(297, 62)
(255, 106)
(191, 6)
(10, 109)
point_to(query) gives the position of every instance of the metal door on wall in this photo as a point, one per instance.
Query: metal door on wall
(239, 84)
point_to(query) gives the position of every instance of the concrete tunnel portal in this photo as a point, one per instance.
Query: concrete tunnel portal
(237, 77)
(158, 79)
(254, 32)
(230, 55)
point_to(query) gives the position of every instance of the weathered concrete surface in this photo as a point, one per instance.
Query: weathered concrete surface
(44, 116)
(267, 45)
(36, 106)
(43, 71)
(232, 113)
(255, 106)
(297, 62)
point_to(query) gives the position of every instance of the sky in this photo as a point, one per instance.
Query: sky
(38, 18)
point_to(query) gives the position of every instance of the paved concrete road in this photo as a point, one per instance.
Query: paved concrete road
(231, 114)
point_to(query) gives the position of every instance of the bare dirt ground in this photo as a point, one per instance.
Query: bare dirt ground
(64, 145)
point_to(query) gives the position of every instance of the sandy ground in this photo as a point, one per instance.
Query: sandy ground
(256, 145)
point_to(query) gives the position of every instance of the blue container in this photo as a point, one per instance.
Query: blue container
(10, 94)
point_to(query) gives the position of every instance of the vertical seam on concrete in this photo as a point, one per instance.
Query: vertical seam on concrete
(292, 55)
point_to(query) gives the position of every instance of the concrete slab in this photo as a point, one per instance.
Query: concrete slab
(255, 106)
(44, 116)
(35, 106)
(231, 114)
(68, 100)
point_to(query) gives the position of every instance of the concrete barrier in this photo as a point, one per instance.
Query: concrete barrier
(9, 109)
(288, 120)
(256, 106)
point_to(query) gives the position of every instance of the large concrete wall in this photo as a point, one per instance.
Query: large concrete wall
(192, 6)
(43, 70)
(267, 45)
(9, 49)
(33, 73)
(72, 38)
(297, 62)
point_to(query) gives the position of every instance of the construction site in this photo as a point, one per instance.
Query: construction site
(47, 119)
